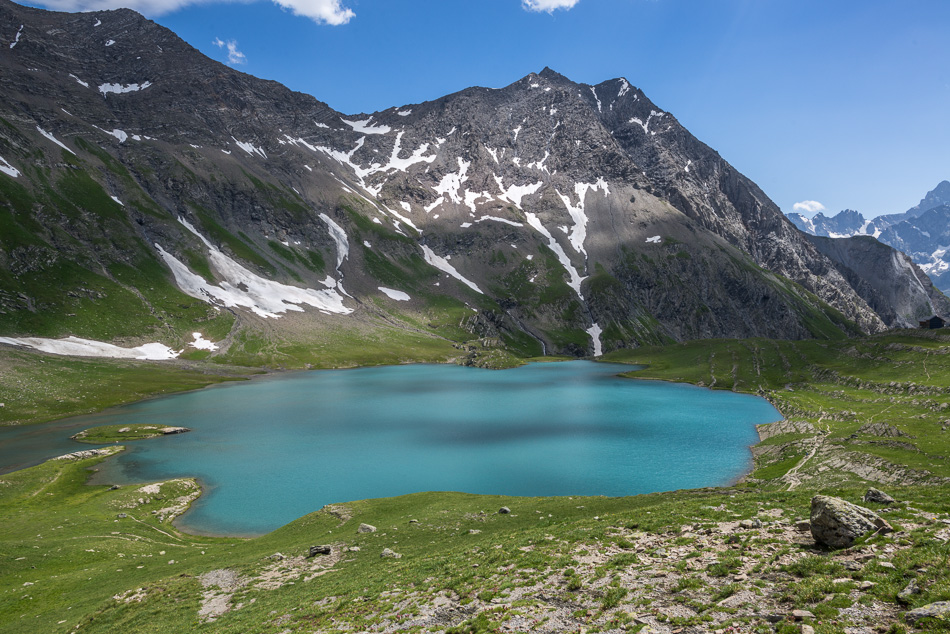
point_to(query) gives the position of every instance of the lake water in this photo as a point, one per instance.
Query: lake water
(271, 450)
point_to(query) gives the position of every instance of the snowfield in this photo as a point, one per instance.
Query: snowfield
(76, 347)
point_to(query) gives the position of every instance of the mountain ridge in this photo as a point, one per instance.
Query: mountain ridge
(510, 215)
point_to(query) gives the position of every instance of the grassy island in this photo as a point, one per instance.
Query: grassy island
(106, 434)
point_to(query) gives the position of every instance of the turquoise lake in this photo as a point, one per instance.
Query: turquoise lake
(269, 451)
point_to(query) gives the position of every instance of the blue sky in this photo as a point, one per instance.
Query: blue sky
(842, 102)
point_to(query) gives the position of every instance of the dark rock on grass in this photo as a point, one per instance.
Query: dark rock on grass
(905, 595)
(504, 510)
(878, 496)
(837, 523)
(939, 610)
(319, 550)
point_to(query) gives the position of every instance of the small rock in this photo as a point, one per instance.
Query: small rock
(774, 618)
(866, 585)
(801, 615)
(808, 629)
(939, 610)
(319, 550)
(887, 564)
(413, 521)
(838, 523)
(473, 531)
(803, 526)
(114, 487)
(122, 516)
(389, 554)
(366, 528)
(354, 549)
(878, 496)
(909, 591)
(504, 510)
(277, 557)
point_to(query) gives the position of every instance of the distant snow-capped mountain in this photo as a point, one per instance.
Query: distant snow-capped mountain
(922, 232)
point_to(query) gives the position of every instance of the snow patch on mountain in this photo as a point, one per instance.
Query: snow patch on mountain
(595, 332)
(599, 106)
(250, 148)
(451, 183)
(578, 234)
(82, 83)
(399, 296)
(365, 126)
(54, 139)
(554, 245)
(201, 343)
(76, 347)
(242, 287)
(17, 38)
(339, 237)
(8, 169)
(646, 124)
(516, 193)
(497, 219)
(443, 265)
(119, 89)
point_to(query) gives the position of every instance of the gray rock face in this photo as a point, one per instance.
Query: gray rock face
(878, 496)
(838, 523)
(890, 282)
(573, 218)
(939, 610)
(366, 528)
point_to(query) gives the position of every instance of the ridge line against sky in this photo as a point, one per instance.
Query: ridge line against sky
(826, 106)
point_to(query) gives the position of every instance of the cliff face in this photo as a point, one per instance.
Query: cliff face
(146, 187)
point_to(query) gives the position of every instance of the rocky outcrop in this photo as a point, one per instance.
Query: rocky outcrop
(878, 497)
(837, 523)
(939, 610)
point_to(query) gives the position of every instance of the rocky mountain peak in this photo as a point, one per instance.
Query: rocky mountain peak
(939, 195)
(548, 214)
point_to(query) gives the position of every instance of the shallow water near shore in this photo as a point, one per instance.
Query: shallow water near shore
(270, 451)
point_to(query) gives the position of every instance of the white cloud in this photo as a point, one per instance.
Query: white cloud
(811, 206)
(548, 5)
(234, 55)
(320, 11)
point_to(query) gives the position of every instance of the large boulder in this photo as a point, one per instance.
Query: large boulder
(939, 610)
(838, 523)
(878, 496)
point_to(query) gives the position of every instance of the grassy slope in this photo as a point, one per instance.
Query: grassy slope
(84, 554)
(36, 388)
